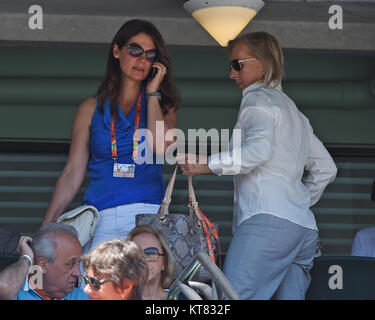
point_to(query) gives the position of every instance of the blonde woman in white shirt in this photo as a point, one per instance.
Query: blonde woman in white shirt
(275, 232)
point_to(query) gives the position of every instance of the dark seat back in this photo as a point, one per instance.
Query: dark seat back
(342, 278)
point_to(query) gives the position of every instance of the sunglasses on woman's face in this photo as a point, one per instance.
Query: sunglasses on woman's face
(152, 254)
(135, 50)
(236, 64)
(93, 282)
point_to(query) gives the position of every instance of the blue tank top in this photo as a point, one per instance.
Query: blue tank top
(104, 190)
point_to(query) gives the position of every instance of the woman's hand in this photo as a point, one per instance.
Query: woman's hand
(193, 164)
(154, 84)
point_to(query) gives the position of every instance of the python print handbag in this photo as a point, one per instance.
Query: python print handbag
(186, 234)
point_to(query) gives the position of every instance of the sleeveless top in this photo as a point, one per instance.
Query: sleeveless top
(104, 190)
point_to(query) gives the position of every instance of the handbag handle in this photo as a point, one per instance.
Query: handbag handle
(193, 203)
(168, 194)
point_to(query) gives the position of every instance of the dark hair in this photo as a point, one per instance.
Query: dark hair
(268, 50)
(111, 85)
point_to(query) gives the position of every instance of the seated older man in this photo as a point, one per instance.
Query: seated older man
(56, 252)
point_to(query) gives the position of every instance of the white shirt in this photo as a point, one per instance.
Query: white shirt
(277, 144)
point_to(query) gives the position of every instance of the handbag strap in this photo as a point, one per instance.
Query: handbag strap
(207, 225)
(163, 210)
(193, 203)
(167, 196)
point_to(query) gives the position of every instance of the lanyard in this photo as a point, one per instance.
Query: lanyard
(137, 123)
(44, 296)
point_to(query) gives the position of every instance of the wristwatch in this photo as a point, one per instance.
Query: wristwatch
(155, 94)
(27, 258)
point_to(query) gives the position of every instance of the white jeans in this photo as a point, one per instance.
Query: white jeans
(116, 223)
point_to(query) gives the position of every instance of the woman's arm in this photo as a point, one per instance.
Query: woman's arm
(159, 124)
(321, 169)
(252, 149)
(245, 153)
(74, 171)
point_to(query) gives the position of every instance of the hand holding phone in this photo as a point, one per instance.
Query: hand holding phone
(155, 76)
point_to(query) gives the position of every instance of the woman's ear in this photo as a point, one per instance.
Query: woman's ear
(116, 51)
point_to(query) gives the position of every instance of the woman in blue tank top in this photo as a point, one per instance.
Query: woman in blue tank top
(136, 93)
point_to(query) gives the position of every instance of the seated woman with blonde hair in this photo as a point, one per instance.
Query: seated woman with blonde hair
(161, 262)
(116, 270)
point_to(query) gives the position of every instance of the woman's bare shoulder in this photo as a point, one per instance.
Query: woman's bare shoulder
(88, 104)
(86, 111)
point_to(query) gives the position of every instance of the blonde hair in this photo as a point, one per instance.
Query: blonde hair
(118, 260)
(267, 49)
(167, 276)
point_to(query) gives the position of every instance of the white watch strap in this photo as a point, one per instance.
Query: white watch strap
(28, 258)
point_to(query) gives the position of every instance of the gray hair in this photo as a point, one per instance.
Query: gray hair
(118, 259)
(44, 242)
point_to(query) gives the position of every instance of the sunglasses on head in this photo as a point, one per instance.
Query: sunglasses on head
(152, 253)
(135, 50)
(94, 282)
(236, 64)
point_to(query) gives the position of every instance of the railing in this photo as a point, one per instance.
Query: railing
(195, 290)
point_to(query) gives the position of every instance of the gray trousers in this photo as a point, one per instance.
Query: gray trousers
(270, 258)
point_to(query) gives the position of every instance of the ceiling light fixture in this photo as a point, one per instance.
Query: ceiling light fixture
(223, 19)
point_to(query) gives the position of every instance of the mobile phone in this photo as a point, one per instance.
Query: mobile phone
(152, 73)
